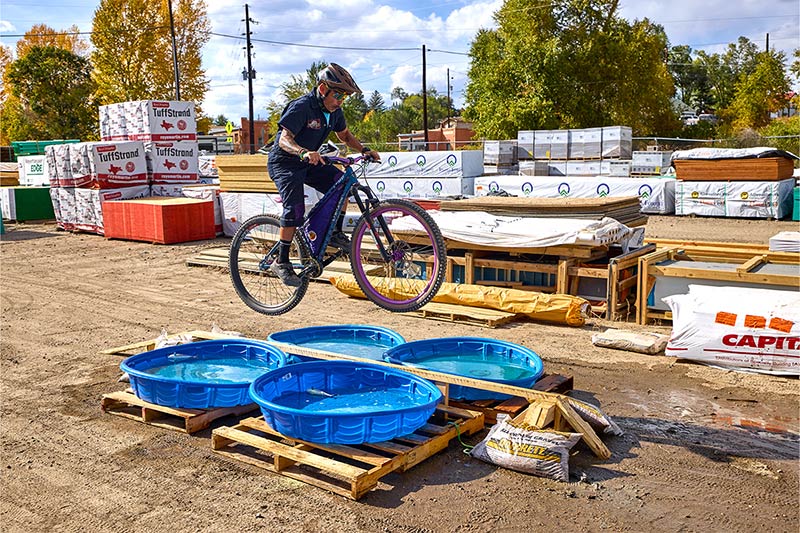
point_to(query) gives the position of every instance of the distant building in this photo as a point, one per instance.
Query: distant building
(241, 137)
(452, 134)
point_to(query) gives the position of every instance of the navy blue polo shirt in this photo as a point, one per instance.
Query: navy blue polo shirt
(311, 127)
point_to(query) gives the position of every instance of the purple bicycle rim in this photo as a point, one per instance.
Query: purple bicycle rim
(358, 239)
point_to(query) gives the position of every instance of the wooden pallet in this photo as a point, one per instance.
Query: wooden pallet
(463, 314)
(348, 470)
(514, 406)
(128, 405)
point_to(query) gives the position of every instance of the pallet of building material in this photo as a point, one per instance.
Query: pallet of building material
(742, 169)
(556, 383)
(128, 405)
(348, 470)
(9, 174)
(464, 314)
(244, 173)
(622, 209)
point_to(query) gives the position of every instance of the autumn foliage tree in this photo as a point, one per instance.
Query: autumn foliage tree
(132, 54)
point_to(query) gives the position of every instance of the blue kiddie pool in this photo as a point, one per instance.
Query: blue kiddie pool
(201, 375)
(367, 342)
(472, 357)
(344, 402)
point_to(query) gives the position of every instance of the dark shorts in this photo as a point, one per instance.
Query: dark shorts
(290, 176)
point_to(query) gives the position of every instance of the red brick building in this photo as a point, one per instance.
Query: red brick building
(452, 134)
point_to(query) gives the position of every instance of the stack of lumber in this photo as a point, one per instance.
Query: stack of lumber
(626, 210)
(743, 169)
(9, 174)
(244, 173)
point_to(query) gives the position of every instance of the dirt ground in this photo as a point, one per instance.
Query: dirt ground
(694, 457)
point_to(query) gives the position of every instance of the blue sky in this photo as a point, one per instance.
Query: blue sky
(446, 27)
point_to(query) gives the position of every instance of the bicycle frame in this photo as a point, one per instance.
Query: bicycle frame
(320, 219)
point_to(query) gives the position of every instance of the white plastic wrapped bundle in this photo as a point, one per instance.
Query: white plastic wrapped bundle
(756, 330)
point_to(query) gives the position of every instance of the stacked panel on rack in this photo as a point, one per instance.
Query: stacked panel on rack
(433, 174)
(748, 182)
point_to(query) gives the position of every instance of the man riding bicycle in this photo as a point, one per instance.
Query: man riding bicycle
(294, 159)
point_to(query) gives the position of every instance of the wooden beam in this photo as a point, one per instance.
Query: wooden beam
(752, 263)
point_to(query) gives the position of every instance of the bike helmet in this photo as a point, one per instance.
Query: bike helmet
(338, 79)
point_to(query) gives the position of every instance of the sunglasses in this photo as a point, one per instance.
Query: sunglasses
(338, 95)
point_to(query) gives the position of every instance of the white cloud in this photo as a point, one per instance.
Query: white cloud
(7, 27)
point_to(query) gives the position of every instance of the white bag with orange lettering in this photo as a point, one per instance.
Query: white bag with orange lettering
(754, 330)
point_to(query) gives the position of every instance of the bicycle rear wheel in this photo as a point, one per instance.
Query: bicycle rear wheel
(400, 269)
(254, 248)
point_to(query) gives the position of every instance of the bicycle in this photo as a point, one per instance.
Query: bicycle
(397, 253)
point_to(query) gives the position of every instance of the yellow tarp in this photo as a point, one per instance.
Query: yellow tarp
(553, 308)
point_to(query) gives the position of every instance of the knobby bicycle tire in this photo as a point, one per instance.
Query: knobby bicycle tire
(416, 269)
(249, 261)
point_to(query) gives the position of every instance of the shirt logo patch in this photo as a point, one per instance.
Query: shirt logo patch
(314, 124)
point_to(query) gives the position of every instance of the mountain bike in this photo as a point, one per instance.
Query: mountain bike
(397, 253)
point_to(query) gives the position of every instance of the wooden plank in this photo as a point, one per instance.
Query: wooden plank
(588, 435)
(353, 481)
(465, 314)
(150, 344)
(745, 277)
(752, 263)
(125, 404)
(290, 452)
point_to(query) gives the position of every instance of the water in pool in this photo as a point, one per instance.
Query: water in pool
(350, 401)
(365, 348)
(479, 367)
(211, 370)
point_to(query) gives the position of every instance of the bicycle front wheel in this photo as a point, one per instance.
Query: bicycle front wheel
(398, 256)
(254, 248)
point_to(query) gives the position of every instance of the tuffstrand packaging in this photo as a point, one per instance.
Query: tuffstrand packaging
(172, 161)
(118, 164)
(158, 120)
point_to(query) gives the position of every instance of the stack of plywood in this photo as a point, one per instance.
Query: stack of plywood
(244, 173)
(742, 169)
(9, 174)
(622, 209)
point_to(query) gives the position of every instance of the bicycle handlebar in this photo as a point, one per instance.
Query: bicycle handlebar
(347, 161)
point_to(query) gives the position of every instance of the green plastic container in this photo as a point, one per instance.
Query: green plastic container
(36, 147)
(796, 205)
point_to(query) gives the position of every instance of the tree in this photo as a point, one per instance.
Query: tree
(133, 50)
(761, 92)
(17, 120)
(354, 109)
(220, 120)
(53, 93)
(192, 32)
(299, 85)
(570, 63)
(691, 78)
(44, 35)
(375, 102)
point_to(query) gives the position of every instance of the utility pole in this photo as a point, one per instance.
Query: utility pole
(250, 76)
(768, 42)
(449, 102)
(424, 98)
(174, 54)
